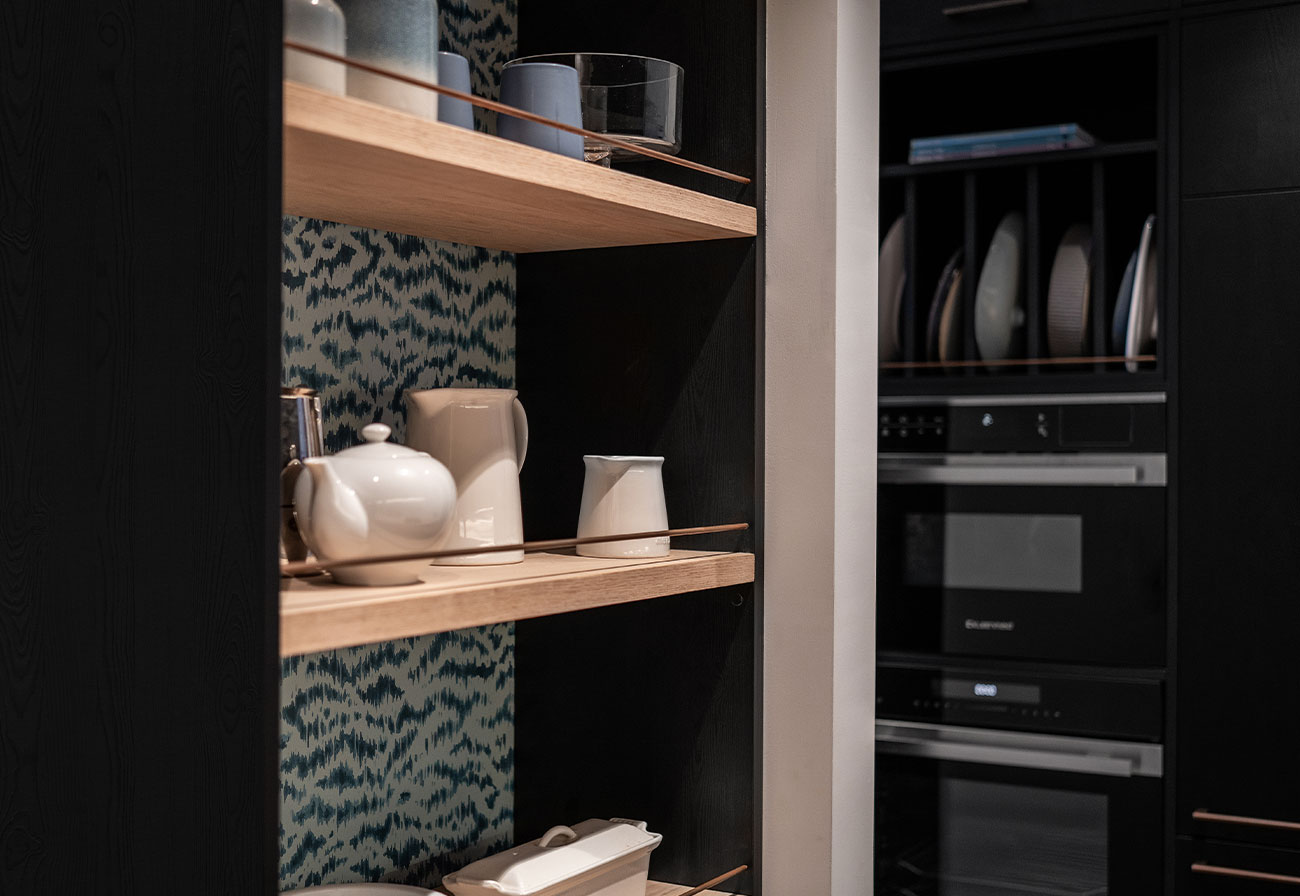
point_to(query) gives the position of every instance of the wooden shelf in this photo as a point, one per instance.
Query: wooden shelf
(360, 163)
(316, 614)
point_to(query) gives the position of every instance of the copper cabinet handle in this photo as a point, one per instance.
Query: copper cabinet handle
(1203, 815)
(986, 6)
(1201, 868)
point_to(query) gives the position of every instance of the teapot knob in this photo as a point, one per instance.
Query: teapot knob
(376, 432)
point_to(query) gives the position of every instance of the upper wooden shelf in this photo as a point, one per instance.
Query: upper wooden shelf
(355, 162)
(316, 614)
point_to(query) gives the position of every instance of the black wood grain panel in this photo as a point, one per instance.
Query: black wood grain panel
(1239, 533)
(905, 22)
(644, 711)
(139, 206)
(1229, 857)
(648, 710)
(1241, 102)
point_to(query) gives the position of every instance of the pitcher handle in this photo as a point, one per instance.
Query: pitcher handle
(521, 433)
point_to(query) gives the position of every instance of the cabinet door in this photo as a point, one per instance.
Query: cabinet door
(917, 21)
(1238, 592)
(1241, 101)
(1209, 868)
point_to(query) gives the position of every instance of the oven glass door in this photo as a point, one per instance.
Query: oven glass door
(1071, 573)
(948, 828)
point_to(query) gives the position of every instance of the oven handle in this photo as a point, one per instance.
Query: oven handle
(1084, 755)
(1051, 469)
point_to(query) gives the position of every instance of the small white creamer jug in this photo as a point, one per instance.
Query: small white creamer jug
(621, 493)
(481, 435)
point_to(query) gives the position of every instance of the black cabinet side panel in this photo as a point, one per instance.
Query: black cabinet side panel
(1241, 101)
(647, 710)
(139, 216)
(1239, 556)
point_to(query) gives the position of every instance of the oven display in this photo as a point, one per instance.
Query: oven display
(994, 551)
(968, 689)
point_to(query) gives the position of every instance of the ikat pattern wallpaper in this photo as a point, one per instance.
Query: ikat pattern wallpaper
(396, 760)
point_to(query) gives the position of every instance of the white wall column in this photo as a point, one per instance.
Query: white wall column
(820, 238)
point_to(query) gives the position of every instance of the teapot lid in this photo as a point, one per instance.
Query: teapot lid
(377, 446)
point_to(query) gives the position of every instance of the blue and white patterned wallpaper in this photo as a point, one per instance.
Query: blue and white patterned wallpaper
(396, 760)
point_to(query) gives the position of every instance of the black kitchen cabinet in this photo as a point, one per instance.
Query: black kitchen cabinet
(1211, 868)
(1238, 719)
(904, 22)
(1241, 101)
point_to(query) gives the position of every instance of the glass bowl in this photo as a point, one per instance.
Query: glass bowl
(637, 99)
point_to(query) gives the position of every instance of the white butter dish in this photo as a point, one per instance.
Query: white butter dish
(593, 858)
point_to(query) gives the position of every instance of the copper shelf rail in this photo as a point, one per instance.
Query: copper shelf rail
(307, 567)
(502, 108)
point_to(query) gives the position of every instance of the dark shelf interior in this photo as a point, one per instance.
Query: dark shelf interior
(1111, 90)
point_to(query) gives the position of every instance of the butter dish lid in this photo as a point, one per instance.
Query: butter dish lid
(561, 854)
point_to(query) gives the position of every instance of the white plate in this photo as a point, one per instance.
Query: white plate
(1142, 310)
(1067, 294)
(940, 299)
(999, 298)
(893, 277)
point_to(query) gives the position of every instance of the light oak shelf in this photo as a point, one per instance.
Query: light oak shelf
(316, 614)
(360, 163)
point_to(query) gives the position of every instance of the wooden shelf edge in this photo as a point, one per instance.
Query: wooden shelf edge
(353, 161)
(317, 615)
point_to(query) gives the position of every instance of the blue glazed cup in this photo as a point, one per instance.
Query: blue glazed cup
(545, 89)
(453, 72)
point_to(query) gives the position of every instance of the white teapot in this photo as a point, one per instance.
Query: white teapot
(376, 498)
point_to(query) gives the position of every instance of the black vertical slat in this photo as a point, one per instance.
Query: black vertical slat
(909, 303)
(1034, 344)
(972, 269)
(1098, 298)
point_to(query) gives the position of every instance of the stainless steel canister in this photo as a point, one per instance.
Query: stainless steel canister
(301, 436)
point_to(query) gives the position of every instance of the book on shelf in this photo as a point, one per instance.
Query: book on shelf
(989, 144)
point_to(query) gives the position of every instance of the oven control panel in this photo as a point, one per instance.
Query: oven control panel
(1122, 708)
(1022, 424)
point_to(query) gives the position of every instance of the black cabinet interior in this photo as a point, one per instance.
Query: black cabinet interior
(1111, 85)
(1212, 868)
(1241, 102)
(1238, 527)
(139, 325)
(648, 710)
(905, 22)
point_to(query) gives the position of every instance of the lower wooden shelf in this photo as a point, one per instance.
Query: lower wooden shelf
(317, 614)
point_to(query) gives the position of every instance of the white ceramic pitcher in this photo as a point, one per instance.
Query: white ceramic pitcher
(481, 436)
(621, 493)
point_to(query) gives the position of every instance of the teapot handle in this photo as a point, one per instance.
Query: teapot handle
(521, 433)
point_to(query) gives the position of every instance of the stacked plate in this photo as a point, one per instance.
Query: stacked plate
(1000, 295)
(1068, 293)
(893, 278)
(943, 332)
(1141, 324)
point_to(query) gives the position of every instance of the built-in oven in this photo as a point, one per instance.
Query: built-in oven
(993, 783)
(1023, 527)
